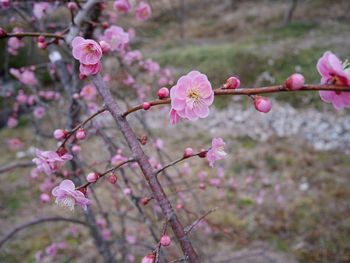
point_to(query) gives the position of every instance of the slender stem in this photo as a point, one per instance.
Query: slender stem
(108, 171)
(39, 221)
(33, 34)
(248, 91)
(176, 161)
(70, 133)
(191, 227)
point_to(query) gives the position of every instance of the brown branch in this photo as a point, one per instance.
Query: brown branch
(191, 227)
(39, 221)
(33, 34)
(249, 91)
(148, 172)
(13, 166)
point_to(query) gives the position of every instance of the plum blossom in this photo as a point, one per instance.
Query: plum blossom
(66, 195)
(191, 97)
(89, 53)
(122, 6)
(88, 93)
(39, 112)
(129, 80)
(12, 122)
(26, 76)
(334, 72)
(151, 66)
(143, 11)
(40, 9)
(14, 144)
(50, 161)
(116, 37)
(88, 70)
(13, 45)
(216, 152)
(132, 56)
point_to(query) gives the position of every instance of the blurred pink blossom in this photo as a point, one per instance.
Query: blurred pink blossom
(216, 152)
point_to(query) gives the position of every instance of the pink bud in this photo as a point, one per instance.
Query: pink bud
(127, 191)
(203, 153)
(202, 186)
(92, 177)
(112, 179)
(76, 149)
(294, 82)
(59, 134)
(188, 152)
(232, 83)
(105, 46)
(105, 25)
(165, 240)
(262, 104)
(150, 258)
(163, 93)
(76, 96)
(44, 198)
(2, 32)
(72, 6)
(82, 76)
(146, 105)
(80, 135)
(41, 39)
(42, 45)
(145, 200)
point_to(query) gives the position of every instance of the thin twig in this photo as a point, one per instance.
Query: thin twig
(195, 223)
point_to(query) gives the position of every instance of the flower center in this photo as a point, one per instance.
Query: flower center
(194, 95)
(67, 202)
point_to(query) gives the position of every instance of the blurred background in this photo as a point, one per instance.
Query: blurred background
(283, 192)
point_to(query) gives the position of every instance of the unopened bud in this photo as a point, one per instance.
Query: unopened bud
(81, 134)
(146, 105)
(165, 240)
(163, 93)
(294, 82)
(92, 177)
(232, 83)
(262, 104)
(188, 152)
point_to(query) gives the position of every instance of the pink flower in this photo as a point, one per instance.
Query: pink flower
(151, 66)
(88, 92)
(106, 234)
(129, 80)
(40, 9)
(122, 6)
(191, 97)
(66, 195)
(39, 112)
(216, 152)
(132, 56)
(116, 37)
(87, 51)
(13, 44)
(12, 122)
(14, 144)
(26, 76)
(44, 198)
(21, 97)
(50, 161)
(88, 70)
(117, 159)
(333, 71)
(150, 258)
(143, 11)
